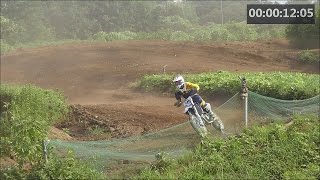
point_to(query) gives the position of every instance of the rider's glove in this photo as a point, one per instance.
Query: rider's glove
(178, 103)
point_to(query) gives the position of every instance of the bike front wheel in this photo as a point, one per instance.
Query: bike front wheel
(198, 125)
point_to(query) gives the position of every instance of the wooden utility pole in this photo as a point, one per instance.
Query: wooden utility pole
(221, 12)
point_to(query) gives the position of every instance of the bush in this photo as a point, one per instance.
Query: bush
(236, 32)
(176, 23)
(186, 32)
(162, 34)
(27, 112)
(278, 84)
(270, 31)
(232, 32)
(11, 32)
(242, 31)
(5, 47)
(56, 168)
(113, 36)
(220, 33)
(202, 34)
(163, 162)
(180, 36)
(308, 57)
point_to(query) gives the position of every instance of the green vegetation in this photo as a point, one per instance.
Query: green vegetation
(281, 85)
(267, 152)
(308, 56)
(27, 112)
(37, 23)
(26, 115)
(95, 130)
(56, 168)
(305, 36)
(213, 32)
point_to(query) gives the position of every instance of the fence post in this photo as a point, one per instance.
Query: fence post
(244, 95)
(164, 69)
(45, 150)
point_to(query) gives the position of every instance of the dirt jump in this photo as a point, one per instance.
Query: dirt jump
(96, 78)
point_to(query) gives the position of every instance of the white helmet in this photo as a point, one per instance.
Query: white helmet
(179, 82)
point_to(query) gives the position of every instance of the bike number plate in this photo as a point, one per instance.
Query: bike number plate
(187, 105)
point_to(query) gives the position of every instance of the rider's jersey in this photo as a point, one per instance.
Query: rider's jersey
(189, 89)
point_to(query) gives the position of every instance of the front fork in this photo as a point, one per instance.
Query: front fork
(197, 117)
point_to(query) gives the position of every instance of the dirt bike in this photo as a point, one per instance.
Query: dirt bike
(199, 118)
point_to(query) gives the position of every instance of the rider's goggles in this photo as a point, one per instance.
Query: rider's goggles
(178, 83)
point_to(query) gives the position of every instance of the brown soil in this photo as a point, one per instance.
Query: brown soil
(55, 133)
(96, 78)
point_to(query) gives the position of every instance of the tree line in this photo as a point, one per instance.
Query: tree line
(30, 21)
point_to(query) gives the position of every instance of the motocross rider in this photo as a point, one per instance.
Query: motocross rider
(187, 89)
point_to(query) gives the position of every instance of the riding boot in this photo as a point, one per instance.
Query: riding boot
(207, 108)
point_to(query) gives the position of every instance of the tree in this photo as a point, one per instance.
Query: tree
(10, 31)
(306, 35)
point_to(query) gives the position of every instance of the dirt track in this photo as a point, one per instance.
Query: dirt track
(93, 74)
